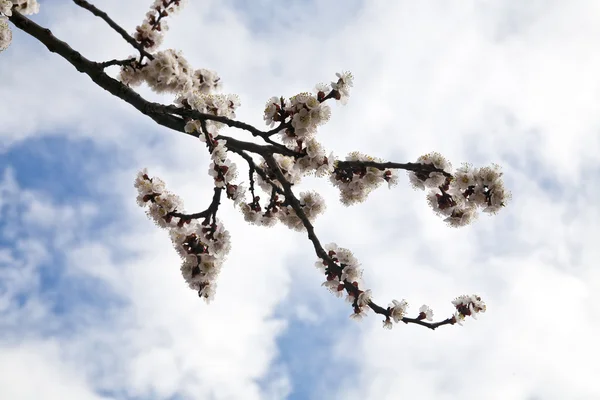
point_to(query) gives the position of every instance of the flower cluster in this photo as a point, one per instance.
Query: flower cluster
(6, 7)
(304, 112)
(25, 7)
(5, 34)
(150, 33)
(315, 161)
(341, 88)
(222, 169)
(433, 179)
(345, 270)
(467, 306)
(170, 72)
(457, 197)
(202, 246)
(312, 205)
(287, 165)
(356, 182)
(344, 276)
(223, 105)
(254, 214)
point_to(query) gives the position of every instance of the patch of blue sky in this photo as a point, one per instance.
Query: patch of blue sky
(58, 167)
(313, 17)
(58, 170)
(123, 395)
(309, 347)
(306, 353)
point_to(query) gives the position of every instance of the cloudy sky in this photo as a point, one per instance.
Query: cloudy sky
(92, 304)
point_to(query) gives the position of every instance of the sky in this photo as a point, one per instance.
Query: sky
(92, 304)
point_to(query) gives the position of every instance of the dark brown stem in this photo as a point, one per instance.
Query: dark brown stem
(415, 167)
(193, 114)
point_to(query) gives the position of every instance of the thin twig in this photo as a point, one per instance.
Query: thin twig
(101, 14)
(110, 63)
(211, 211)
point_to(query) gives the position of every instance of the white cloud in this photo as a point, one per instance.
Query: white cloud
(36, 369)
(486, 82)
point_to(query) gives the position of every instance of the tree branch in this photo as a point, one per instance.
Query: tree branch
(175, 118)
(160, 113)
(321, 253)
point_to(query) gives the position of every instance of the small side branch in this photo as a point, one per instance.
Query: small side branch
(415, 167)
(321, 253)
(110, 63)
(211, 211)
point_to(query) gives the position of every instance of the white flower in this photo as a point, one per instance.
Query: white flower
(250, 215)
(321, 87)
(357, 316)
(237, 193)
(461, 217)
(433, 179)
(219, 153)
(206, 81)
(301, 120)
(5, 34)
(427, 312)
(5, 7)
(459, 318)
(208, 292)
(344, 83)
(351, 273)
(149, 37)
(332, 285)
(271, 108)
(464, 177)
(168, 72)
(387, 324)
(391, 176)
(469, 305)
(398, 310)
(488, 176)
(498, 197)
(364, 298)
(320, 265)
(26, 7)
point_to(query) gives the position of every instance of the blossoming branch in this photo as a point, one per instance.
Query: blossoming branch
(291, 151)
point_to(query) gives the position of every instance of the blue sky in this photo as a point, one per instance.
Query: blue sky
(92, 305)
